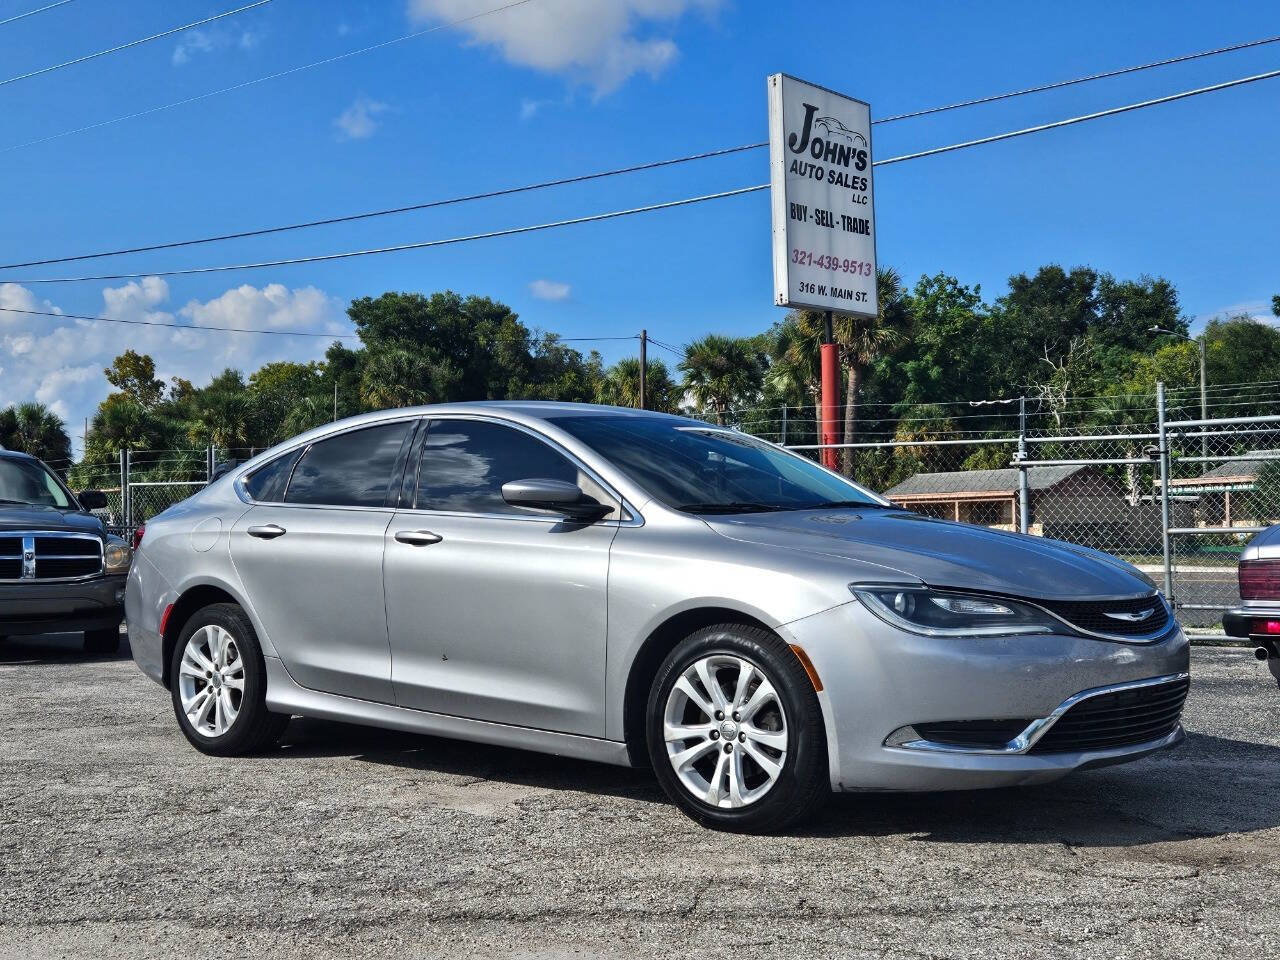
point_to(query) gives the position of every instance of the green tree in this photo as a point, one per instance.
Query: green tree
(134, 375)
(864, 339)
(952, 343)
(795, 364)
(35, 429)
(721, 372)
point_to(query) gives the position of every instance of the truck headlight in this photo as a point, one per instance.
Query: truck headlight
(116, 556)
(937, 613)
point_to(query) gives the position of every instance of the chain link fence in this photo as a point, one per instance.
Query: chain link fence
(1150, 479)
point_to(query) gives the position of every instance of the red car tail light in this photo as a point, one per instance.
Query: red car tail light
(137, 536)
(1260, 579)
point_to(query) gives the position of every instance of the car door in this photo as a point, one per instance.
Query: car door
(497, 612)
(310, 557)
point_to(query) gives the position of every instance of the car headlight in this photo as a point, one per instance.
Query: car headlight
(116, 556)
(937, 613)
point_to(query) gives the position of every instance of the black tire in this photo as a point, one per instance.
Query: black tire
(803, 784)
(255, 728)
(102, 642)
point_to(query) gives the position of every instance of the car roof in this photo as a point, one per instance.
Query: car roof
(15, 455)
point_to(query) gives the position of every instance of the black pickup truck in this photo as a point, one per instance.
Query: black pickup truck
(60, 570)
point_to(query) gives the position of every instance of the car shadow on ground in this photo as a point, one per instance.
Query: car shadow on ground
(55, 649)
(1210, 786)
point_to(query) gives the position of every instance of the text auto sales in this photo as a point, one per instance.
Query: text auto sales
(839, 159)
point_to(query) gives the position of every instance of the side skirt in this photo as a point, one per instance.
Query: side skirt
(284, 695)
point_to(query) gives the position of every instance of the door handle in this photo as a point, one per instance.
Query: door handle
(268, 532)
(418, 538)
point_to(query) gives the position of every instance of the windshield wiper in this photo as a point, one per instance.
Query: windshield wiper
(734, 506)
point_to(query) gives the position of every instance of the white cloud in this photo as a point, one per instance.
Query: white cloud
(601, 42)
(195, 42)
(59, 361)
(358, 122)
(550, 290)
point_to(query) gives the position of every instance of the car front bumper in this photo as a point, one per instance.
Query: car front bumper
(878, 680)
(35, 607)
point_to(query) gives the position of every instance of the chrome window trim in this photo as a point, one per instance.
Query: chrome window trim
(242, 492)
(1023, 742)
(633, 520)
(28, 538)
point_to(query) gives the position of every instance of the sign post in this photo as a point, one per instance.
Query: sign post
(824, 241)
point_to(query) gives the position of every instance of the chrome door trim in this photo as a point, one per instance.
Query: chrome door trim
(28, 538)
(1028, 738)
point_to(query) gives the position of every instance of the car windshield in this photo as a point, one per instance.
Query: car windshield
(26, 481)
(706, 469)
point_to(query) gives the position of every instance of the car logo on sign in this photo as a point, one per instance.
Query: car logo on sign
(1134, 616)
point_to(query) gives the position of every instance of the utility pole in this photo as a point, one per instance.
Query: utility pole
(830, 382)
(335, 398)
(644, 364)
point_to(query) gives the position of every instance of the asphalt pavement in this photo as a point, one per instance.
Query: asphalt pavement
(118, 840)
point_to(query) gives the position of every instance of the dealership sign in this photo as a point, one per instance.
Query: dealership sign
(824, 241)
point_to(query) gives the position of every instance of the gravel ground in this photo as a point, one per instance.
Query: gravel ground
(119, 840)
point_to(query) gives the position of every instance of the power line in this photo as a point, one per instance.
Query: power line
(288, 333)
(421, 245)
(131, 43)
(1083, 118)
(1069, 83)
(32, 13)
(365, 215)
(649, 208)
(427, 205)
(272, 76)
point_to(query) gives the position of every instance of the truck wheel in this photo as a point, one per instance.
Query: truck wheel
(735, 731)
(102, 642)
(219, 685)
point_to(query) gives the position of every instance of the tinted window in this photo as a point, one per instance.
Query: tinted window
(350, 470)
(266, 484)
(704, 469)
(25, 481)
(465, 463)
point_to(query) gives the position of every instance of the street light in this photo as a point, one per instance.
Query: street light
(1204, 402)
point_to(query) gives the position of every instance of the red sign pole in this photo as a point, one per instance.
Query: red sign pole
(830, 391)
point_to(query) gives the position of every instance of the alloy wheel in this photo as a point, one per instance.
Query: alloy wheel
(211, 680)
(725, 731)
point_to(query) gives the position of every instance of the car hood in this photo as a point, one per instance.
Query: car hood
(941, 553)
(36, 517)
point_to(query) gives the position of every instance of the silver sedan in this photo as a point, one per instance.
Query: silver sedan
(644, 589)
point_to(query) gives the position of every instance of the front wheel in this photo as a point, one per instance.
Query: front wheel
(219, 684)
(735, 731)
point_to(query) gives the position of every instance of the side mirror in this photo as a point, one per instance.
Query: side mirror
(553, 495)
(92, 499)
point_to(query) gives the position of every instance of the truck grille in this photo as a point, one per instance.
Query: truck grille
(1112, 617)
(1120, 719)
(47, 555)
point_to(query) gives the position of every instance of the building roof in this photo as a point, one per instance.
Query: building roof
(995, 482)
(1237, 470)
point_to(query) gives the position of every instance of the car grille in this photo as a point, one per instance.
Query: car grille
(1119, 719)
(1093, 616)
(57, 556)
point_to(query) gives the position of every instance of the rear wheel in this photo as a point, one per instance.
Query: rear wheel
(102, 642)
(735, 731)
(219, 684)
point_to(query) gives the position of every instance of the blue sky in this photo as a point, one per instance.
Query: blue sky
(559, 87)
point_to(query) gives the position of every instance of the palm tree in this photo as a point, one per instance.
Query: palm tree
(396, 377)
(620, 386)
(720, 371)
(35, 429)
(863, 339)
(795, 368)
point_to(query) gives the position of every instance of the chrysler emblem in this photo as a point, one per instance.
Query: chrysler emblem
(1135, 616)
